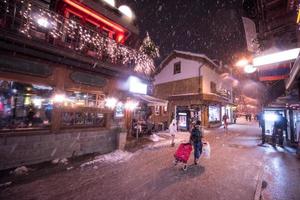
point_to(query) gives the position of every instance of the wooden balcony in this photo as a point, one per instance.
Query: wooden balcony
(35, 31)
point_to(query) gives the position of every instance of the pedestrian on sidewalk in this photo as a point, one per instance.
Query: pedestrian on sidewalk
(196, 141)
(261, 120)
(173, 131)
(225, 118)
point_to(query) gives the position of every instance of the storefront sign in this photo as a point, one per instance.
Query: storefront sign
(88, 79)
(136, 86)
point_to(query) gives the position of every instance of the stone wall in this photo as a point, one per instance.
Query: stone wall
(27, 149)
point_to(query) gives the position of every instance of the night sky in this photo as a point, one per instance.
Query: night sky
(211, 27)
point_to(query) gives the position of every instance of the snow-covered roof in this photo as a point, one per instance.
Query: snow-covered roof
(195, 55)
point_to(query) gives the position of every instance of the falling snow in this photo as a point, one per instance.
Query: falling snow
(200, 26)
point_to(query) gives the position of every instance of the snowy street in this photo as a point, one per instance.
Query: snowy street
(237, 169)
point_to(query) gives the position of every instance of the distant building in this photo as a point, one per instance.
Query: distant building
(192, 84)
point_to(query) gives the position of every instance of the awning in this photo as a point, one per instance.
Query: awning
(294, 74)
(151, 101)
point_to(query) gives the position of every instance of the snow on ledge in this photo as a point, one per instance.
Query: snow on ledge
(155, 138)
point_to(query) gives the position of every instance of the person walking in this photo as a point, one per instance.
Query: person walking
(196, 141)
(173, 131)
(225, 118)
(278, 130)
(261, 120)
(234, 117)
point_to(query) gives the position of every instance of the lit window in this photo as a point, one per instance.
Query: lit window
(157, 108)
(165, 109)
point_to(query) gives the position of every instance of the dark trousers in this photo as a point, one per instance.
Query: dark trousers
(277, 133)
(263, 135)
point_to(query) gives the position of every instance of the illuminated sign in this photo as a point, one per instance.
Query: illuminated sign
(136, 86)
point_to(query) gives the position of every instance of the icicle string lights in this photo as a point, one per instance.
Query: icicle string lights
(80, 38)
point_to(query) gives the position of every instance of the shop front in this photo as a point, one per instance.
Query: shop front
(229, 111)
(44, 116)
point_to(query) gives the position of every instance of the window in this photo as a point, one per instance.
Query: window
(165, 109)
(84, 99)
(157, 110)
(213, 87)
(24, 106)
(214, 114)
(177, 68)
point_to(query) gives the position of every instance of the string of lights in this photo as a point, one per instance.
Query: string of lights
(80, 38)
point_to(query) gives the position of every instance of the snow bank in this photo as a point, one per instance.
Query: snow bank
(21, 170)
(155, 138)
(62, 161)
(116, 156)
(5, 184)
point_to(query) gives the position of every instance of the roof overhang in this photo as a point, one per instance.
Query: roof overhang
(150, 100)
(294, 74)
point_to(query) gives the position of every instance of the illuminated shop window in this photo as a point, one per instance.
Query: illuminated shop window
(214, 113)
(24, 106)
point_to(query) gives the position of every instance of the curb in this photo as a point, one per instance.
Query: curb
(257, 194)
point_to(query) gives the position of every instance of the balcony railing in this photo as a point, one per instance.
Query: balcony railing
(37, 23)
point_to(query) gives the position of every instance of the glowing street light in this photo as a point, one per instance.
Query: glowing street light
(249, 69)
(43, 22)
(59, 98)
(242, 63)
(131, 105)
(111, 102)
(126, 11)
(276, 57)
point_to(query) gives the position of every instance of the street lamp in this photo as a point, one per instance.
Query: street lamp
(242, 63)
(126, 11)
(249, 69)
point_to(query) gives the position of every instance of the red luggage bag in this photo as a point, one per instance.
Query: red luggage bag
(183, 152)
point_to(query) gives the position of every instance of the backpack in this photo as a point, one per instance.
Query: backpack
(196, 135)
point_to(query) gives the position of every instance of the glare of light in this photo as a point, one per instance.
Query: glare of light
(136, 86)
(37, 102)
(249, 69)
(131, 105)
(241, 63)
(276, 57)
(111, 102)
(59, 98)
(126, 11)
(43, 22)
(270, 117)
(119, 104)
(110, 2)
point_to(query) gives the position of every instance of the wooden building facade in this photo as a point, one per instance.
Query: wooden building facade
(194, 88)
(56, 74)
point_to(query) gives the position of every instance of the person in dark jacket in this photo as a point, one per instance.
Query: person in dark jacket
(196, 141)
